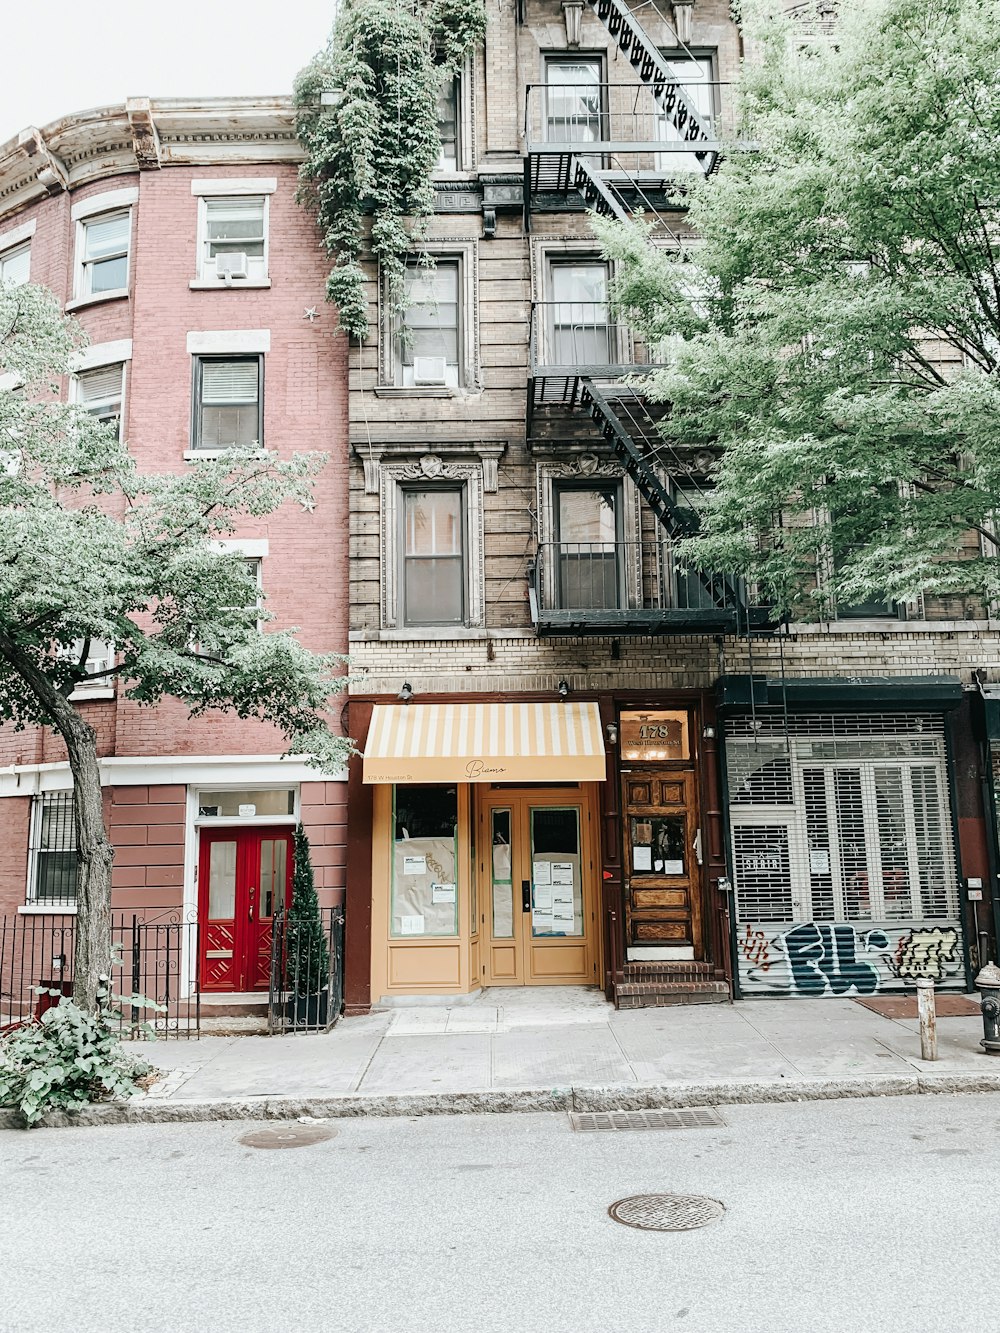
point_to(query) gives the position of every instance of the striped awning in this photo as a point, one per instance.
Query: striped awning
(480, 742)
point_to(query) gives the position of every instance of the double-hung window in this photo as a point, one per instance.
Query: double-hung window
(100, 392)
(695, 74)
(234, 238)
(104, 251)
(449, 125)
(433, 573)
(429, 335)
(228, 397)
(15, 264)
(53, 866)
(579, 326)
(588, 522)
(573, 100)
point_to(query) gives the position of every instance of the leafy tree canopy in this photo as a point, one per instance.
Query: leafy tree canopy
(837, 321)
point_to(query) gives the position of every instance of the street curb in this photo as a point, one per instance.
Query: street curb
(614, 1097)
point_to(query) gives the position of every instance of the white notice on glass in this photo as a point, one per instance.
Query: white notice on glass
(411, 925)
(415, 865)
(542, 872)
(543, 897)
(541, 922)
(247, 811)
(642, 858)
(562, 872)
(819, 862)
(673, 867)
(442, 893)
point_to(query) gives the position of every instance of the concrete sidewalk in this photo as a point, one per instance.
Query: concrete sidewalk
(556, 1049)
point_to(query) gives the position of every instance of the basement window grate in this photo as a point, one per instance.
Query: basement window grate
(695, 1117)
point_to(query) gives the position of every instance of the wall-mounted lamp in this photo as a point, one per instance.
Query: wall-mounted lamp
(682, 19)
(611, 731)
(573, 15)
(563, 688)
(406, 693)
(708, 733)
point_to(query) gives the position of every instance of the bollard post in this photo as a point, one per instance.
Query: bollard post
(928, 1018)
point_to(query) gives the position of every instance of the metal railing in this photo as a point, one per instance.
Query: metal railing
(577, 334)
(598, 579)
(306, 992)
(599, 118)
(154, 953)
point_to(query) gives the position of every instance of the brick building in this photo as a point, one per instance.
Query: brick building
(584, 763)
(170, 230)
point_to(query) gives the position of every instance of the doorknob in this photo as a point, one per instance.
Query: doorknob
(697, 847)
(253, 889)
(525, 895)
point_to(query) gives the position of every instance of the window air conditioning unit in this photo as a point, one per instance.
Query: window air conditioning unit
(232, 266)
(428, 370)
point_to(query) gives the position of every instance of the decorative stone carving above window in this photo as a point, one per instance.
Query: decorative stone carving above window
(429, 462)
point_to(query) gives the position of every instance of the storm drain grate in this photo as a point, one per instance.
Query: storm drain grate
(286, 1136)
(695, 1117)
(667, 1212)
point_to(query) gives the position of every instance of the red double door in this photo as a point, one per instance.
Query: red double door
(244, 878)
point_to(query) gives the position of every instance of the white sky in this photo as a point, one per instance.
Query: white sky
(65, 55)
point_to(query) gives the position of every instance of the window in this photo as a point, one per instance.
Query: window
(588, 546)
(424, 861)
(100, 392)
(233, 226)
(433, 556)
(579, 324)
(697, 79)
(15, 265)
(104, 254)
(573, 100)
(227, 402)
(100, 657)
(449, 102)
(53, 867)
(429, 336)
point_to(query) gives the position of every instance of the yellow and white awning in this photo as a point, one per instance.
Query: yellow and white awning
(481, 742)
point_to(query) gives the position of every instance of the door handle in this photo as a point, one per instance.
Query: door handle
(697, 847)
(252, 891)
(525, 895)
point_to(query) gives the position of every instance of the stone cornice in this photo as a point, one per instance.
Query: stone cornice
(144, 134)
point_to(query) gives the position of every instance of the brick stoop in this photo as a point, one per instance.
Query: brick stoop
(654, 985)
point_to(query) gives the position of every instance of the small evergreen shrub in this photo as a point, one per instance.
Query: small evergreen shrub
(307, 949)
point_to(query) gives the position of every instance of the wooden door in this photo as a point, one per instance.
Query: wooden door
(663, 858)
(244, 877)
(537, 889)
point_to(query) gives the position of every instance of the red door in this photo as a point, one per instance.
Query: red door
(244, 876)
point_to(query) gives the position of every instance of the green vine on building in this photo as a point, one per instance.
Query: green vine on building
(372, 142)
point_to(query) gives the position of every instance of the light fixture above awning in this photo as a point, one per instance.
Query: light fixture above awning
(484, 742)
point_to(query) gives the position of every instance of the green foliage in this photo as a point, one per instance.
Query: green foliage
(307, 950)
(375, 149)
(66, 1060)
(836, 329)
(90, 549)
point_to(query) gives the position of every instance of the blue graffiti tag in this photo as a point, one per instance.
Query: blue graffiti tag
(826, 955)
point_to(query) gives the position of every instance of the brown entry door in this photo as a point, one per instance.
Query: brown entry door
(244, 877)
(663, 859)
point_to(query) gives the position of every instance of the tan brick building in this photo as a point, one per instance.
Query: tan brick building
(584, 763)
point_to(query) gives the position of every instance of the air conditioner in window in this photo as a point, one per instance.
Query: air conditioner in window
(232, 266)
(428, 370)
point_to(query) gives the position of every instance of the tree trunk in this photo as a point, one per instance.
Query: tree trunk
(92, 956)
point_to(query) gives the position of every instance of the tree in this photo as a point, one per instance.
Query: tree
(307, 950)
(92, 550)
(837, 321)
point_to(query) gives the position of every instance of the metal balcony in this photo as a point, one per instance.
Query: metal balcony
(637, 587)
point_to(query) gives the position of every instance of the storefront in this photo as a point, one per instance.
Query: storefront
(842, 836)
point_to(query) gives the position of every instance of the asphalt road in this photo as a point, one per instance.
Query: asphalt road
(848, 1216)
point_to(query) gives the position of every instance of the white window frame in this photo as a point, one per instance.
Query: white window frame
(102, 656)
(99, 208)
(13, 242)
(257, 267)
(11, 254)
(466, 252)
(78, 382)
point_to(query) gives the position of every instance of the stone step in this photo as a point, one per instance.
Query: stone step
(657, 994)
(668, 971)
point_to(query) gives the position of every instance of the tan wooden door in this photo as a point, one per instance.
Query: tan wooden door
(663, 858)
(537, 889)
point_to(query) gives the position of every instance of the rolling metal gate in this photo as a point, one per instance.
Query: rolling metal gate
(843, 856)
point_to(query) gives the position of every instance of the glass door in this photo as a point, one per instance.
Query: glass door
(539, 902)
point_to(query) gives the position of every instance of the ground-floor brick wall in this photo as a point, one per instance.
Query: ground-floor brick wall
(324, 817)
(15, 818)
(147, 833)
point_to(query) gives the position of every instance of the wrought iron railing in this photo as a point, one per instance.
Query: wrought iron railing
(577, 335)
(598, 579)
(154, 951)
(306, 992)
(603, 117)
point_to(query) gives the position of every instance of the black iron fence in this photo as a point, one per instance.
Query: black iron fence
(155, 955)
(307, 974)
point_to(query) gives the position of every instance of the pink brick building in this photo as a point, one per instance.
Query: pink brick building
(170, 230)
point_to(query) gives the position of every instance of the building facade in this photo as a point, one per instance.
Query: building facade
(584, 763)
(170, 229)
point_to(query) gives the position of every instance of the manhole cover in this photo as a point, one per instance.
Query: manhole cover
(666, 1212)
(696, 1117)
(286, 1136)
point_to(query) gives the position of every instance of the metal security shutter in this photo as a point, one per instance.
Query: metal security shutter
(843, 860)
